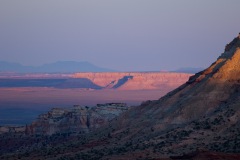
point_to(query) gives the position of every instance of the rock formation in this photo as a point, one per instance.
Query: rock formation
(97, 81)
(135, 81)
(12, 129)
(79, 119)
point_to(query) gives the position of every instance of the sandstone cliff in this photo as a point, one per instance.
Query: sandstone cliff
(98, 81)
(135, 81)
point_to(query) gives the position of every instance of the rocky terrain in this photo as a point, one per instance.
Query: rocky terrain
(198, 120)
(12, 129)
(79, 119)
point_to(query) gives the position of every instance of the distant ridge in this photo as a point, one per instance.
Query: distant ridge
(188, 70)
(97, 80)
(56, 67)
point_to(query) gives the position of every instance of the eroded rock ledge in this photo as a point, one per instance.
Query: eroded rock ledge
(78, 119)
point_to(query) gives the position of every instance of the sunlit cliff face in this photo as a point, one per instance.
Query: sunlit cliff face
(226, 68)
(135, 81)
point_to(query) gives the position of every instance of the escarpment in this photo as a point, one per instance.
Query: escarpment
(135, 80)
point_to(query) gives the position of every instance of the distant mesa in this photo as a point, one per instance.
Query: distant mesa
(136, 80)
(57, 67)
(99, 80)
(188, 70)
(68, 67)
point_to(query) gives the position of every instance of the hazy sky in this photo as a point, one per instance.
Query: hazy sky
(125, 35)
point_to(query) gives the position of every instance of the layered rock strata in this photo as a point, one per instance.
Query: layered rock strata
(79, 119)
(135, 81)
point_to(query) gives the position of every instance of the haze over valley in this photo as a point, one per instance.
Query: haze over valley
(37, 93)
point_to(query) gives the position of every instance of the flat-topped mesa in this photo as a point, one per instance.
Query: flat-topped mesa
(135, 80)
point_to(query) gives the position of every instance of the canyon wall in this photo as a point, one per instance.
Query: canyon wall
(135, 80)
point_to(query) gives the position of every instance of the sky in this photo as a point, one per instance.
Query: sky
(124, 35)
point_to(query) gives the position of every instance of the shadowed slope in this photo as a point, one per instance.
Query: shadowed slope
(56, 83)
(122, 81)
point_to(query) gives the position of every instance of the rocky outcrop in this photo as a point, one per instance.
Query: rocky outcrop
(12, 129)
(79, 119)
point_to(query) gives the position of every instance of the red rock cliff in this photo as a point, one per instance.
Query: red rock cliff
(135, 80)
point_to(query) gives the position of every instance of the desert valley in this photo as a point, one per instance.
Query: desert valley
(32, 94)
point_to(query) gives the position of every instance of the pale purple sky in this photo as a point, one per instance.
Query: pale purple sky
(125, 35)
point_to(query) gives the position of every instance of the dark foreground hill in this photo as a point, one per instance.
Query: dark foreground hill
(202, 114)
